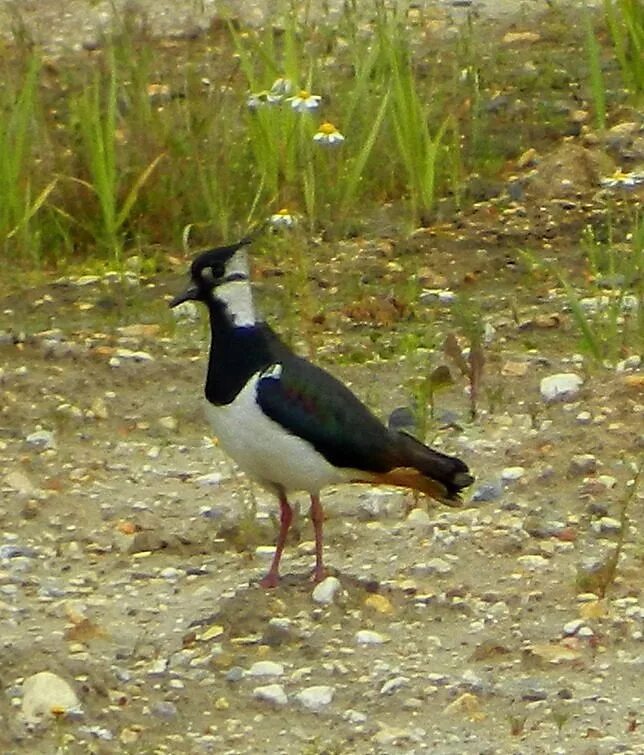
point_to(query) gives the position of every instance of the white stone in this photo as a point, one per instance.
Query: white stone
(87, 280)
(445, 296)
(45, 693)
(325, 592)
(418, 518)
(608, 525)
(42, 440)
(630, 363)
(315, 698)
(158, 667)
(562, 386)
(19, 481)
(533, 562)
(170, 573)
(355, 717)
(271, 693)
(134, 356)
(266, 668)
(369, 637)
(437, 566)
(392, 685)
(509, 474)
(572, 627)
(265, 551)
(213, 478)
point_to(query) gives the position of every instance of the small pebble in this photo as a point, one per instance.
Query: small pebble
(436, 566)
(392, 685)
(164, 709)
(133, 356)
(369, 637)
(533, 562)
(315, 698)
(582, 464)
(168, 423)
(42, 440)
(355, 717)
(325, 592)
(213, 478)
(266, 668)
(608, 525)
(271, 693)
(572, 627)
(418, 518)
(510, 474)
(488, 491)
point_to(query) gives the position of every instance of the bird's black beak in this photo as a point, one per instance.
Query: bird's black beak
(190, 294)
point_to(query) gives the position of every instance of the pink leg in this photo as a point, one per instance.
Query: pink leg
(272, 577)
(317, 517)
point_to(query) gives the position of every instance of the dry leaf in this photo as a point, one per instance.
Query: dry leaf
(83, 631)
(468, 704)
(489, 649)
(379, 603)
(211, 633)
(555, 652)
(514, 369)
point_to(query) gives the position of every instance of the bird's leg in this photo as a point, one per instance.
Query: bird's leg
(272, 577)
(317, 517)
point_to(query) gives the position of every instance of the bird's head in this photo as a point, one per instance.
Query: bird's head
(214, 268)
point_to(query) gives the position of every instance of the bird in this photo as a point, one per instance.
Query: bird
(289, 424)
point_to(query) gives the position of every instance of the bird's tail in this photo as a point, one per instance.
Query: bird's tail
(431, 472)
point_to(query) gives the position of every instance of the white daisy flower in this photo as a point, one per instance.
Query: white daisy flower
(623, 180)
(328, 135)
(257, 99)
(304, 101)
(283, 219)
(281, 88)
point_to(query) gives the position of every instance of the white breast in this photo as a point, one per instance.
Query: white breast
(265, 451)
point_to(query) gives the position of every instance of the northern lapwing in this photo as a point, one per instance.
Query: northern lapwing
(289, 425)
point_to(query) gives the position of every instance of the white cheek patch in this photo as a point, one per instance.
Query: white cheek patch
(238, 298)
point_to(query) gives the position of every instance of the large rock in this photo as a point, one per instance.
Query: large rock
(46, 695)
(561, 387)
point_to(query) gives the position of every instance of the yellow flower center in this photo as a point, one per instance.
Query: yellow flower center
(304, 94)
(327, 128)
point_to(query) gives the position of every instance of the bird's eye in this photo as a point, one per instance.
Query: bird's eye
(212, 274)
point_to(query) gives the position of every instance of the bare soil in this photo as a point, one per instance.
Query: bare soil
(130, 547)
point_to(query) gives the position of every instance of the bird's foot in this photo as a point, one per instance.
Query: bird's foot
(318, 574)
(271, 580)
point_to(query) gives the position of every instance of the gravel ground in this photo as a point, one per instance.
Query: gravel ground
(130, 617)
(79, 23)
(128, 567)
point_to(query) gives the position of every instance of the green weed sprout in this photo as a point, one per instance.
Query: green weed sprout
(625, 20)
(97, 111)
(18, 205)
